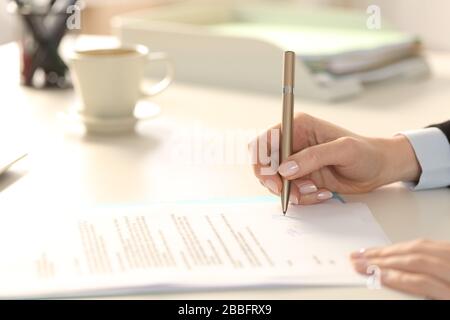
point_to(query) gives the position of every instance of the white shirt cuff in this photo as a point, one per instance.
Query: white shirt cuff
(433, 153)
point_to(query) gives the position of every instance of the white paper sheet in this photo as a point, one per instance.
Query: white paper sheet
(183, 247)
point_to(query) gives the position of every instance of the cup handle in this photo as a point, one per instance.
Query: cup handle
(166, 81)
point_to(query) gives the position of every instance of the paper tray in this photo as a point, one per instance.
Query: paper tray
(239, 62)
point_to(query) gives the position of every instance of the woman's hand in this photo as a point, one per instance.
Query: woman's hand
(420, 267)
(329, 158)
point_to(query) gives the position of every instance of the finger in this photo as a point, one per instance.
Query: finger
(337, 152)
(305, 186)
(316, 197)
(264, 158)
(308, 192)
(273, 184)
(416, 284)
(265, 173)
(302, 132)
(294, 195)
(419, 246)
(414, 263)
(265, 147)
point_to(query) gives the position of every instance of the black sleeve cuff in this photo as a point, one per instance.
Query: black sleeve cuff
(444, 127)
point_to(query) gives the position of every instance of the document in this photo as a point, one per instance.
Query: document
(183, 247)
(9, 155)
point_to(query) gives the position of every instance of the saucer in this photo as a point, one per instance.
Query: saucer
(144, 111)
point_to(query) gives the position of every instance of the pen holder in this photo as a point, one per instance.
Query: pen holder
(42, 32)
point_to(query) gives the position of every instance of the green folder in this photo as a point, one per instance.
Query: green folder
(327, 40)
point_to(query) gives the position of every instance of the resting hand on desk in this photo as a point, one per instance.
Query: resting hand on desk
(328, 159)
(420, 267)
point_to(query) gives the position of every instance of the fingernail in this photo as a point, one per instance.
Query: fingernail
(271, 185)
(293, 199)
(289, 168)
(307, 188)
(358, 254)
(324, 195)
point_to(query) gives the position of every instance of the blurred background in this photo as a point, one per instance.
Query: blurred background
(425, 18)
(339, 55)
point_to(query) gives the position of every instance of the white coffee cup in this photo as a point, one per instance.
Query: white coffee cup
(109, 81)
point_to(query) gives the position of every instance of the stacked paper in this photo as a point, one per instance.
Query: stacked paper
(240, 46)
(340, 51)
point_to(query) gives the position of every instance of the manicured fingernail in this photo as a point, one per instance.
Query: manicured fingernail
(288, 169)
(307, 188)
(358, 254)
(324, 195)
(271, 185)
(293, 199)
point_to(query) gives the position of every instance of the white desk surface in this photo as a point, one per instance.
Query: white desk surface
(67, 167)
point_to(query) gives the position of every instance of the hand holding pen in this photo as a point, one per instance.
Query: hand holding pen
(327, 158)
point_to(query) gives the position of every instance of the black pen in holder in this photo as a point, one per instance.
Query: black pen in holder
(43, 30)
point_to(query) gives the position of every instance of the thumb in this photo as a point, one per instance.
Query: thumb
(306, 161)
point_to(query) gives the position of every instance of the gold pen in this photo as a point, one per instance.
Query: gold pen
(286, 123)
